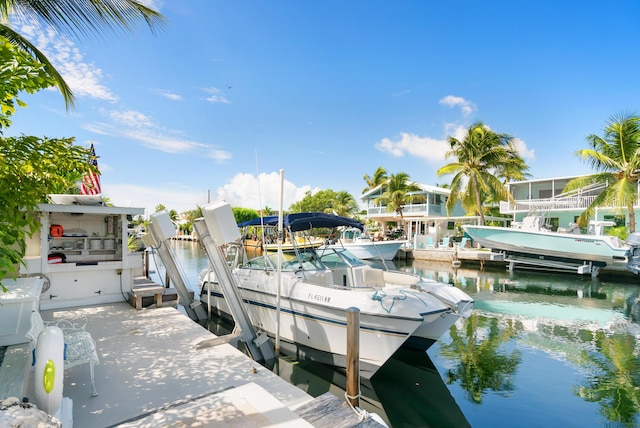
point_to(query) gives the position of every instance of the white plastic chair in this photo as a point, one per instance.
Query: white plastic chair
(80, 348)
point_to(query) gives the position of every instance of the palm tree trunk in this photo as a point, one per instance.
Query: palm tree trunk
(632, 218)
(476, 189)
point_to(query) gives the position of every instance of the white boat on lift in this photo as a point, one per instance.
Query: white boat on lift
(318, 285)
(533, 240)
(362, 245)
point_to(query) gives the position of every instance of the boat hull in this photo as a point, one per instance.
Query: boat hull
(571, 247)
(385, 250)
(313, 323)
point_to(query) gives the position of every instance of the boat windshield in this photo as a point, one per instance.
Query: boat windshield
(339, 257)
(306, 259)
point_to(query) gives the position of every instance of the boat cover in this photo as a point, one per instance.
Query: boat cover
(305, 221)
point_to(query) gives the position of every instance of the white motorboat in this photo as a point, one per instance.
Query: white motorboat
(318, 286)
(363, 246)
(532, 239)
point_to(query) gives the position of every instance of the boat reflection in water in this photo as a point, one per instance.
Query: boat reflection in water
(563, 344)
(540, 349)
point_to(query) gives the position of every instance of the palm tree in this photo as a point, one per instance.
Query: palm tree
(398, 192)
(617, 156)
(344, 204)
(483, 157)
(73, 18)
(379, 177)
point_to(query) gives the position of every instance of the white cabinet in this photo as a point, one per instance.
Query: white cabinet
(79, 285)
(82, 250)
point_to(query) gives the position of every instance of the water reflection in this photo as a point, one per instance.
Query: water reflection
(482, 360)
(589, 323)
(539, 349)
(615, 379)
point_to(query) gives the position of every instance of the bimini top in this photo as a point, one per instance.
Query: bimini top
(305, 221)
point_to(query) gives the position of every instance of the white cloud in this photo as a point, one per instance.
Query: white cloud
(525, 153)
(240, 191)
(131, 118)
(164, 143)
(84, 79)
(433, 150)
(249, 191)
(467, 107)
(430, 149)
(220, 155)
(172, 196)
(216, 96)
(169, 95)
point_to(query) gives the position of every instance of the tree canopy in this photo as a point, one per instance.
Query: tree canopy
(399, 190)
(327, 201)
(483, 157)
(616, 157)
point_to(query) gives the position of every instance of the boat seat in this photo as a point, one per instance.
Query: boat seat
(373, 277)
(80, 348)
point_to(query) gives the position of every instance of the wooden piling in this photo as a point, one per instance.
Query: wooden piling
(353, 356)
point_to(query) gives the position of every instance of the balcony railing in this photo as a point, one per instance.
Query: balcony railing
(565, 203)
(413, 209)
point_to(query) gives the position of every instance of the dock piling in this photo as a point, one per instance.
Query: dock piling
(353, 356)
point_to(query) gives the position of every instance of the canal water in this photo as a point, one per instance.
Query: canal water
(539, 350)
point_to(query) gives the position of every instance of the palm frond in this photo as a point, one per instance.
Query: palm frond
(84, 17)
(23, 44)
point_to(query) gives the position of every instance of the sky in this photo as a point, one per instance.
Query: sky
(233, 95)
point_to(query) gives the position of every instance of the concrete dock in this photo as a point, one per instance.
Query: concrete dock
(152, 374)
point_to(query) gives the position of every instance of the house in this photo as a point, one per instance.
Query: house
(547, 197)
(422, 223)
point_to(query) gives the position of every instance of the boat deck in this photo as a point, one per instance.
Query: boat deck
(151, 374)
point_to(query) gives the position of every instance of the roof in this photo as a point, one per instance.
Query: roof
(427, 188)
(86, 204)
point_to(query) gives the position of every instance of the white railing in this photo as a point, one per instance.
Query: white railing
(565, 203)
(413, 209)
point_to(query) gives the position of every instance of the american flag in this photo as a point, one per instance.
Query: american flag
(91, 181)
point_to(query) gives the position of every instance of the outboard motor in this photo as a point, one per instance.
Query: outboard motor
(633, 260)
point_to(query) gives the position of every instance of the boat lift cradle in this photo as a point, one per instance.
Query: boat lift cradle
(161, 229)
(217, 228)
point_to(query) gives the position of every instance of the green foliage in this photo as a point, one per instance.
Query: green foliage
(616, 157)
(73, 18)
(244, 214)
(482, 159)
(18, 73)
(619, 231)
(379, 178)
(326, 201)
(29, 169)
(398, 191)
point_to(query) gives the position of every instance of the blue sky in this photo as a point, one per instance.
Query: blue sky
(231, 92)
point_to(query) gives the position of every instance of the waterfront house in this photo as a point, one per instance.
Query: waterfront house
(546, 197)
(424, 223)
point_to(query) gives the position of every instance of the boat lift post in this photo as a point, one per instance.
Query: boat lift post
(217, 228)
(162, 229)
